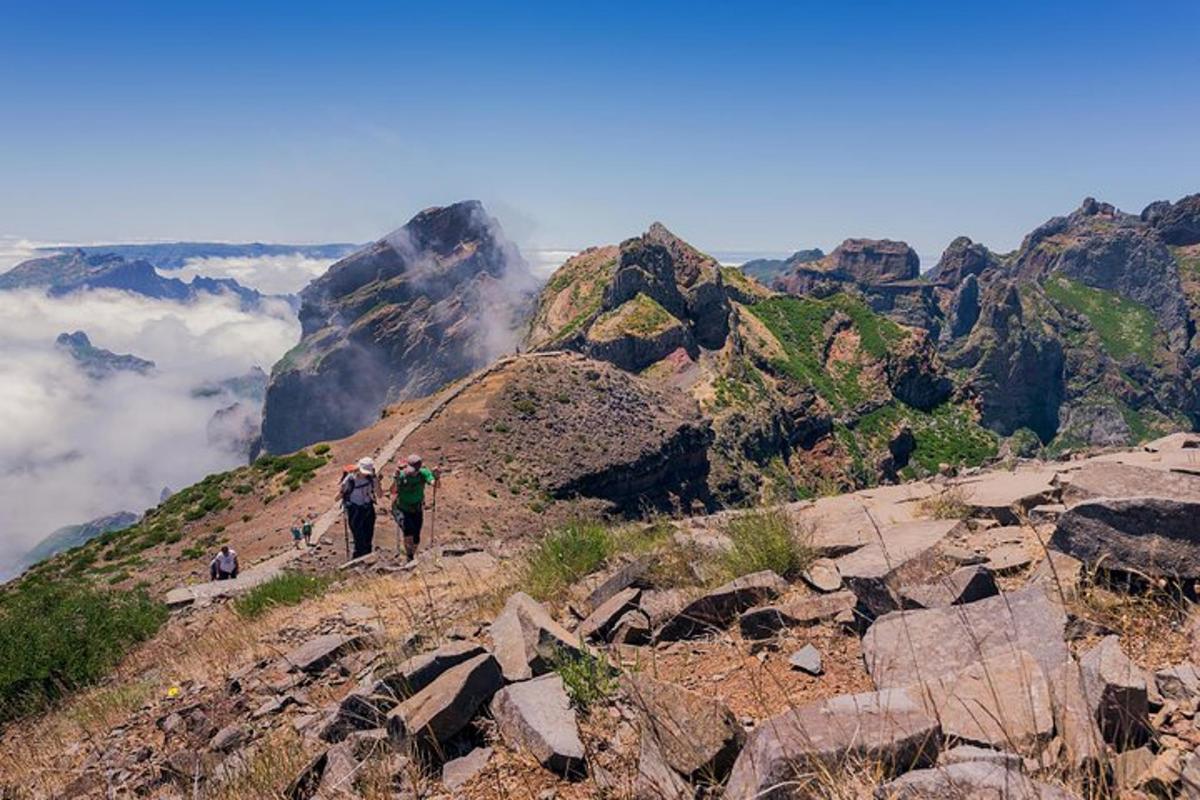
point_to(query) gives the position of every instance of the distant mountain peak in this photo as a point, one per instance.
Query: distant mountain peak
(97, 362)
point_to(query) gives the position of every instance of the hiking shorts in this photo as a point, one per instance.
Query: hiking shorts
(410, 522)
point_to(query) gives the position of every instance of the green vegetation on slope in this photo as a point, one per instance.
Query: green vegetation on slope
(1125, 328)
(56, 637)
(798, 324)
(765, 540)
(947, 435)
(641, 316)
(286, 589)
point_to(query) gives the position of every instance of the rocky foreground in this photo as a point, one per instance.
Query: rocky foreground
(1020, 633)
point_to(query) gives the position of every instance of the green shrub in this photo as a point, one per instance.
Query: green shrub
(286, 589)
(321, 449)
(58, 637)
(765, 540)
(587, 678)
(565, 555)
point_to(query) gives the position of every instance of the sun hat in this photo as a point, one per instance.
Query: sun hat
(366, 465)
(414, 460)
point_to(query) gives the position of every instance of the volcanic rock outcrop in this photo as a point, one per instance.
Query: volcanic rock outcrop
(426, 304)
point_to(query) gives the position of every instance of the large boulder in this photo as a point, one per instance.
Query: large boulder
(718, 608)
(976, 780)
(536, 716)
(526, 639)
(785, 755)
(698, 736)
(444, 707)
(908, 647)
(1153, 536)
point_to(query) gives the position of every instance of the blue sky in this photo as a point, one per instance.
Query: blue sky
(742, 126)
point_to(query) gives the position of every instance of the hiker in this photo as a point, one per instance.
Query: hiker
(358, 498)
(306, 529)
(296, 536)
(224, 565)
(408, 501)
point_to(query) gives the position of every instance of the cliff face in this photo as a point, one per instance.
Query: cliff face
(784, 381)
(427, 304)
(1085, 334)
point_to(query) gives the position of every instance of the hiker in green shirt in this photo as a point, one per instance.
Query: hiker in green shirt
(408, 501)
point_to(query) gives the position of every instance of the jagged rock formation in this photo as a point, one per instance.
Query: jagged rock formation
(1084, 335)
(426, 304)
(76, 271)
(97, 362)
(785, 381)
(884, 272)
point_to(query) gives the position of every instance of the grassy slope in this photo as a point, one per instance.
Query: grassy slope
(1125, 328)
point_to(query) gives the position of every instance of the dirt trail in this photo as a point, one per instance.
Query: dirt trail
(265, 570)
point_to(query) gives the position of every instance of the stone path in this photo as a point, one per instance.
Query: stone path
(265, 570)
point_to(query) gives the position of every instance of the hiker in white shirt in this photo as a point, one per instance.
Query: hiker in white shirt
(224, 565)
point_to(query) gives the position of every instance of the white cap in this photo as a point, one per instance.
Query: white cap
(366, 465)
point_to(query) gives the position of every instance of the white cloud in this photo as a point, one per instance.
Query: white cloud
(72, 449)
(282, 274)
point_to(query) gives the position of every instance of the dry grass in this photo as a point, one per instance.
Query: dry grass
(426, 601)
(949, 503)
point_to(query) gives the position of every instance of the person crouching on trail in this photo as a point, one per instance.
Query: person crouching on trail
(224, 565)
(358, 496)
(408, 501)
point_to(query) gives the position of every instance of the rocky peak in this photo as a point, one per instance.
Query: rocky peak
(424, 305)
(875, 260)
(1177, 223)
(963, 258)
(97, 362)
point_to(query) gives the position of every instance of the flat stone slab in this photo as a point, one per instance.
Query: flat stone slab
(889, 728)
(414, 674)
(1000, 494)
(904, 553)
(908, 647)
(963, 585)
(1009, 558)
(1154, 536)
(1001, 701)
(318, 653)
(1114, 480)
(766, 621)
(1173, 441)
(807, 659)
(601, 622)
(979, 780)
(721, 606)
(1117, 693)
(525, 638)
(698, 736)
(536, 716)
(444, 707)
(458, 771)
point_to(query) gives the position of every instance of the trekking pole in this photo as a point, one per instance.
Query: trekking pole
(433, 511)
(346, 529)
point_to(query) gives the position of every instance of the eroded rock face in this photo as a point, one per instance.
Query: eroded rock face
(1177, 223)
(875, 260)
(429, 303)
(963, 259)
(889, 728)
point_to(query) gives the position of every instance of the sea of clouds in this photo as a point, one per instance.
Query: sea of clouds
(73, 449)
